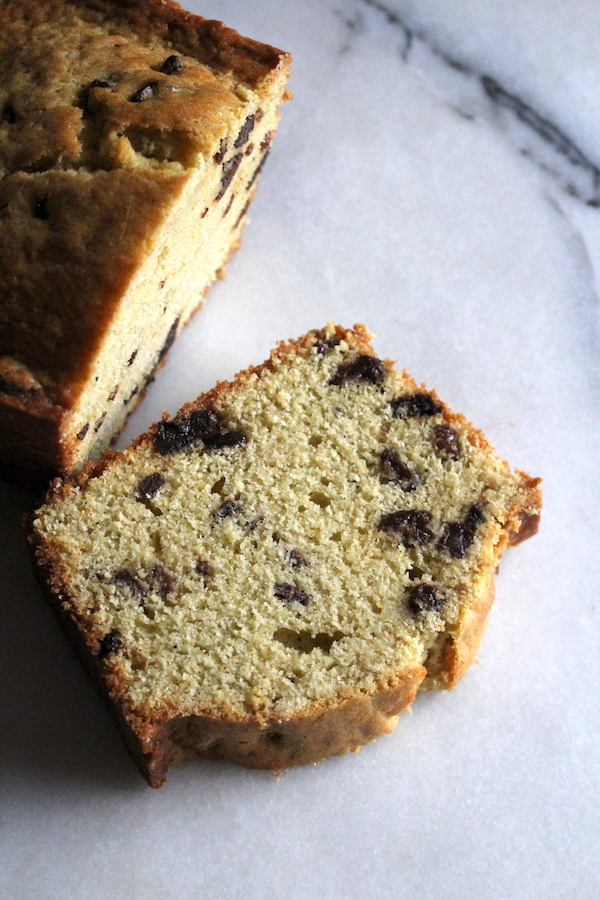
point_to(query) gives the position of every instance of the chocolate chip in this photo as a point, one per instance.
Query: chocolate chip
(229, 169)
(9, 115)
(458, 536)
(172, 65)
(151, 485)
(135, 391)
(289, 593)
(131, 359)
(243, 212)
(411, 525)
(126, 578)
(254, 523)
(110, 643)
(225, 510)
(204, 425)
(7, 386)
(362, 368)
(446, 440)
(229, 205)
(397, 471)
(244, 134)
(113, 393)
(225, 437)
(85, 95)
(249, 150)
(258, 170)
(40, 208)
(415, 406)
(266, 141)
(204, 568)
(425, 598)
(99, 422)
(169, 340)
(81, 434)
(325, 346)
(162, 579)
(221, 152)
(296, 560)
(144, 92)
(172, 437)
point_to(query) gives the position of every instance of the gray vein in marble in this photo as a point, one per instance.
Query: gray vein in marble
(474, 94)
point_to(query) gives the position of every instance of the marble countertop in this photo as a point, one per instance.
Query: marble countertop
(437, 176)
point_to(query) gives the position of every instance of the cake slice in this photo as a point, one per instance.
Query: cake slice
(132, 136)
(270, 576)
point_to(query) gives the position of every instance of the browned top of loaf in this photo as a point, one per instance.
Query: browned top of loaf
(59, 61)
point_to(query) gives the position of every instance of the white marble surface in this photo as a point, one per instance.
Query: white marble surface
(437, 176)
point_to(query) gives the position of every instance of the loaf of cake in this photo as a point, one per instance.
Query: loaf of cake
(270, 576)
(132, 137)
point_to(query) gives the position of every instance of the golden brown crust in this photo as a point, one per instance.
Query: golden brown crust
(79, 204)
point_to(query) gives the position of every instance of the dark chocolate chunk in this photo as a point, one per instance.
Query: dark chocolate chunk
(458, 536)
(229, 205)
(242, 214)
(151, 485)
(131, 359)
(225, 510)
(40, 209)
(289, 593)
(415, 406)
(425, 598)
(8, 386)
(9, 115)
(172, 65)
(362, 368)
(145, 92)
(110, 643)
(135, 391)
(446, 440)
(113, 393)
(128, 579)
(255, 522)
(169, 340)
(325, 346)
(204, 568)
(81, 434)
(249, 150)
(411, 525)
(224, 437)
(85, 95)
(162, 580)
(99, 422)
(229, 169)
(296, 560)
(244, 134)
(266, 141)
(221, 152)
(397, 471)
(172, 437)
(204, 425)
(258, 170)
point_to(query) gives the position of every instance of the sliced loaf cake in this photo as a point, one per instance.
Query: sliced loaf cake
(270, 576)
(132, 137)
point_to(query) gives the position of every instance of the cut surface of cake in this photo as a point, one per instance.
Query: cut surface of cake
(270, 576)
(132, 137)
